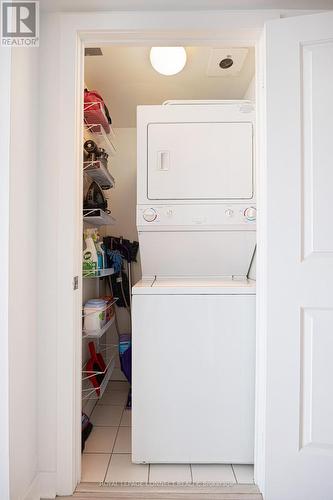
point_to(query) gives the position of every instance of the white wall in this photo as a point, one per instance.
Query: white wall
(5, 91)
(122, 203)
(251, 94)
(23, 366)
(122, 199)
(251, 90)
(48, 200)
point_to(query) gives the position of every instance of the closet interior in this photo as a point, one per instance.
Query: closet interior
(117, 80)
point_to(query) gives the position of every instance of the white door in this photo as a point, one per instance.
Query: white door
(200, 161)
(299, 395)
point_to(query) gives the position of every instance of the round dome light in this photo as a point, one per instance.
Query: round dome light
(168, 60)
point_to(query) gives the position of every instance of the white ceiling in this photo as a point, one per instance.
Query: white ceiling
(125, 79)
(104, 5)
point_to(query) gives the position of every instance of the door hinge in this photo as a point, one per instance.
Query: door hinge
(75, 282)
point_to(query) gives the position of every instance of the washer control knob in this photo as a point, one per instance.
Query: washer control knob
(149, 214)
(229, 212)
(250, 213)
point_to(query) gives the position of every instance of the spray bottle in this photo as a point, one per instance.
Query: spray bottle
(90, 259)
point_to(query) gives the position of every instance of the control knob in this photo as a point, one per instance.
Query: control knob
(149, 215)
(250, 213)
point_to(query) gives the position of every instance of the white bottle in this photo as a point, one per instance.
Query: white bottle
(90, 259)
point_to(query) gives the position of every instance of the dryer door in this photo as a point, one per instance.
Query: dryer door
(194, 161)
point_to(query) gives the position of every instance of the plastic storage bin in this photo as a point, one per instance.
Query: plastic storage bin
(94, 314)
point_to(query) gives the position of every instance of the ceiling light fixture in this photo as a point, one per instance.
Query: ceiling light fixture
(168, 60)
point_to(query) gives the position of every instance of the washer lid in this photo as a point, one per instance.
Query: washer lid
(196, 253)
(195, 286)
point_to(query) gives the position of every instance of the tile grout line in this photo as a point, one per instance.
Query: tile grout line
(94, 426)
(108, 466)
(121, 452)
(98, 400)
(88, 439)
(234, 473)
(114, 444)
(105, 426)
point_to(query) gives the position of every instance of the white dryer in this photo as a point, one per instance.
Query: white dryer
(194, 310)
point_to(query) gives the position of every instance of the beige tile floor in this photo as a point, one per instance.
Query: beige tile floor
(107, 455)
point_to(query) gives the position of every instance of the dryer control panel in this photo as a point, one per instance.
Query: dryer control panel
(200, 217)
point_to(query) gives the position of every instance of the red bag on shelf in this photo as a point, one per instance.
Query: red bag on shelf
(95, 111)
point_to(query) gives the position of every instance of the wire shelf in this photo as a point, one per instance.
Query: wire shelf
(98, 333)
(96, 132)
(97, 217)
(90, 392)
(99, 173)
(97, 273)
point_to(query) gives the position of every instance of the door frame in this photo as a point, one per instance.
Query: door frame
(132, 28)
(5, 120)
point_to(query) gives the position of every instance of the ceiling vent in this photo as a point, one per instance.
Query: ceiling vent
(93, 51)
(226, 62)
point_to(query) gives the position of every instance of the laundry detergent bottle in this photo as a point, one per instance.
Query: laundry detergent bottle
(90, 259)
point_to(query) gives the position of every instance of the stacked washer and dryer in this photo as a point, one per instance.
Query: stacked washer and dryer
(193, 313)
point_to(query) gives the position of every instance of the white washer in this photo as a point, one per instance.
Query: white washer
(193, 313)
(193, 371)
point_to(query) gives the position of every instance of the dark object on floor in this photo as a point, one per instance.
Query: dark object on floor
(129, 400)
(86, 428)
